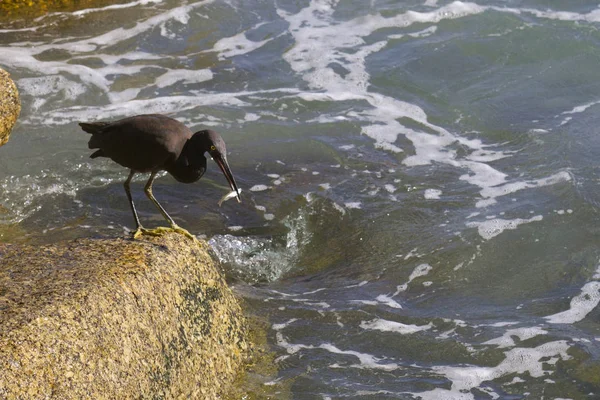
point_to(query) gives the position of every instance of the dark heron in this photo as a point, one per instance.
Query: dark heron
(152, 143)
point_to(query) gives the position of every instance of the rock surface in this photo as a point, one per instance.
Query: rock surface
(10, 106)
(30, 9)
(117, 319)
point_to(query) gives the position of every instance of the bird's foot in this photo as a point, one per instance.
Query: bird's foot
(143, 231)
(181, 231)
(162, 230)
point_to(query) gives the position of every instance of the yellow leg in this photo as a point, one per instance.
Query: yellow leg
(161, 229)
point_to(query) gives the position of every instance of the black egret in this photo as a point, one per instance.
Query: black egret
(153, 143)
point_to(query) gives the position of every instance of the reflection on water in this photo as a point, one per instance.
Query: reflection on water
(419, 181)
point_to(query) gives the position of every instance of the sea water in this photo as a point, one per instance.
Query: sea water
(419, 216)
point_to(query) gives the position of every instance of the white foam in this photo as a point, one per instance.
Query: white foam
(493, 227)
(494, 191)
(517, 361)
(581, 305)
(432, 194)
(516, 380)
(506, 340)
(29, 29)
(538, 131)
(485, 203)
(251, 117)
(420, 270)
(259, 188)
(424, 33)
(164, 105)
(592, 16)
(582, 108)
(412, 253)
(183, 75)
(42, 88)
(390, 188)
(79, 13)
(237, 45)
(392, 326)
(500, 324)
(576, 110)
(388, 301)
(366, 302)
(121, 34)
(366, 361)
(353, 205)
(566, 120)
(166, 28)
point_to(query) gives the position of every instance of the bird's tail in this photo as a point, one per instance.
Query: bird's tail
(93, 127)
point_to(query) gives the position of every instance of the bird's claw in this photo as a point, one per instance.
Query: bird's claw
(143, 231)
(162, 230)
(181, 231)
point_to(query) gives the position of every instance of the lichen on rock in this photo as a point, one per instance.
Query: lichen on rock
(10, 105)
(116, 318)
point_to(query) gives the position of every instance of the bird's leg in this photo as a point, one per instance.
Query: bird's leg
(148, 191)
(138, 226)
(174, 226)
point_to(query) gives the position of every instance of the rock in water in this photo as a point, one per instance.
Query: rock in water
(10, 106)
(117, 319)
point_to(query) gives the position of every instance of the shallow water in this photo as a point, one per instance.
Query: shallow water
(419, 216)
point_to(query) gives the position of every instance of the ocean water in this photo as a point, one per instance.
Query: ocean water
(420, 185)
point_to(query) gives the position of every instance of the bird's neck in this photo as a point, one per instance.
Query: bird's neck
(190, 165)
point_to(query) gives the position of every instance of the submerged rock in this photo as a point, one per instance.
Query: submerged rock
(10, 106)
(116, 319)
(30, 9)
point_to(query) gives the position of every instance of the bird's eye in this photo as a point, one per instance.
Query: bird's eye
(212, 148)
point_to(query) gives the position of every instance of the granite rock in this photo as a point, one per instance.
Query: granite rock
(10, 106)
(117, 319)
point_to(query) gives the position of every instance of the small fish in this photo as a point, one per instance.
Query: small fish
(229, 195)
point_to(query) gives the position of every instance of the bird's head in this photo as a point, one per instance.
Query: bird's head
(213, 143)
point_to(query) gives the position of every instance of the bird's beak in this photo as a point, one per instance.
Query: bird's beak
(222, 163)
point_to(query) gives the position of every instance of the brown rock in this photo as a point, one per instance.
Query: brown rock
(10, 106)
(10, 9)
(117, 319)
